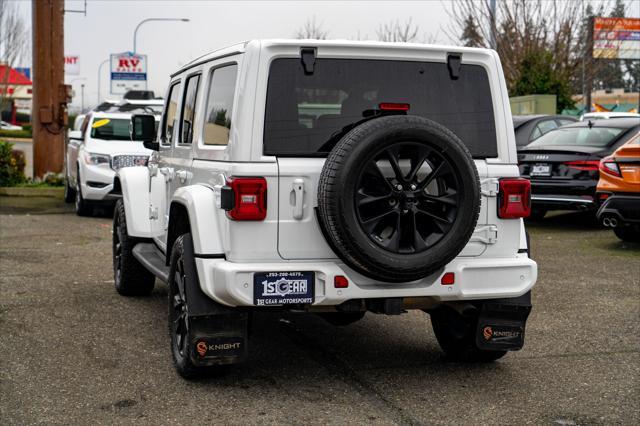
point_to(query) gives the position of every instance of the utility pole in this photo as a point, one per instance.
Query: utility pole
(492, 7)
(50, 95)
(589, 80)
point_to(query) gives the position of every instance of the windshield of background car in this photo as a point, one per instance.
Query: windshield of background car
(111, 129)
(595, 136)
(304, 112)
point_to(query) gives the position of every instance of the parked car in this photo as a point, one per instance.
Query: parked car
(530, 127)
(393, 201)
(619, 191)
(607, 115)
(563, 164)
(8, 126)
(94, 154)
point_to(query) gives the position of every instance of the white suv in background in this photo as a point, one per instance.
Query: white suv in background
(94, 154)
(330, 177)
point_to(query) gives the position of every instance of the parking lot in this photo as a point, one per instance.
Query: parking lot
(74, 352)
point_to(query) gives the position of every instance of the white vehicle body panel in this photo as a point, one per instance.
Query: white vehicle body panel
(231, 283)
(135, 194)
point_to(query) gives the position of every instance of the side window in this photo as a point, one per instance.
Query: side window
(170, 118)
(565, 122)
(219, 104)
(542, 128)
(189, 109)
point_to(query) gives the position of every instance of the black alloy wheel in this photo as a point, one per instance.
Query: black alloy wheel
(407, 197)
(178, 314)
(129, 276)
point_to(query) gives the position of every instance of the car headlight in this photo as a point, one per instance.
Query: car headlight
(96, 159)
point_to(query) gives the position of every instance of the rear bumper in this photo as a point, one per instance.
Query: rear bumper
(231, 284)
(563, 202)
(624, 207)
(563, 194)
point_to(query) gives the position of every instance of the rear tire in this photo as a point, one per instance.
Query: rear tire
(627, 234)
(69, 193)
(83, 207)
(129, 276)
(178, 318)
(456, 336)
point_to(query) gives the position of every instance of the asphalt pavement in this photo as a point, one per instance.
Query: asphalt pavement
(72, 351)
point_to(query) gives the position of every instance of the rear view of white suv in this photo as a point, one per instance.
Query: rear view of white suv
(336, 178)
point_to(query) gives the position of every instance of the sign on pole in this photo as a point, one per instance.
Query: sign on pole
(72, 65)
(616, 38)
(128, 72)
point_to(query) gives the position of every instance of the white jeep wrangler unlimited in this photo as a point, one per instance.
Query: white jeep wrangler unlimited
(332, 177)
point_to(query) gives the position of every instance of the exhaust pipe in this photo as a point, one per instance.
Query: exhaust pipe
(613, 222)
(606, 222)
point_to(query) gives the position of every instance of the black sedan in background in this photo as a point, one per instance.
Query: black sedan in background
(530, 127)
(563, 164)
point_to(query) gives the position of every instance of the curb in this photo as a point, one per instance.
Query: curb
(31, 192)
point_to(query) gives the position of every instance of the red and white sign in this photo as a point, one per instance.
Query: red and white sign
(72, 65)
(128, 72)
(616, 38)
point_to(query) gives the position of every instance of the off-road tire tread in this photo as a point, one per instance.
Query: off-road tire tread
(627, 234)
(328, 188)
(135, 279)
(183, 365)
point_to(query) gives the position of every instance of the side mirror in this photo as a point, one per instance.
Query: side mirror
(75, 134)
(143, 128)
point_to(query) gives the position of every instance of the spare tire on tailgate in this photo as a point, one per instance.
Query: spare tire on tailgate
(398, 198)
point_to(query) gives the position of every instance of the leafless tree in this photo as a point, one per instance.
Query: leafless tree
(394, 31)
(13, 40)
(522, 28)
(311, 29)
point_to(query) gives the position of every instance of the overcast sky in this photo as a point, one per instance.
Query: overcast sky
(109, 25)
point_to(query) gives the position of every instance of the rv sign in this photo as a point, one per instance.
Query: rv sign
(128, 71)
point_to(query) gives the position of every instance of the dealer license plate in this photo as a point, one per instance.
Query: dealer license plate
(283, 288)
(541, 170)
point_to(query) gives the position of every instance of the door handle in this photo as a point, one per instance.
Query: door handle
(298, 194)
(167, 172)
(183, 175)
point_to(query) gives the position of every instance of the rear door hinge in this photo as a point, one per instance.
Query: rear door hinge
(489, 187)
(487, 234)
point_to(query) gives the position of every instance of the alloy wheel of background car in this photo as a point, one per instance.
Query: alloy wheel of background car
(83, 208)
(398, 198)
(69, 193)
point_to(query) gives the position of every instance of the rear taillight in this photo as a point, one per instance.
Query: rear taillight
(610, 167)
(393, 106)
(249, 198)
(514, 198)
(588, 165)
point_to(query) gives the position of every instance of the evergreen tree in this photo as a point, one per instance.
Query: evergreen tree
(537, 75)
(471, 36)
